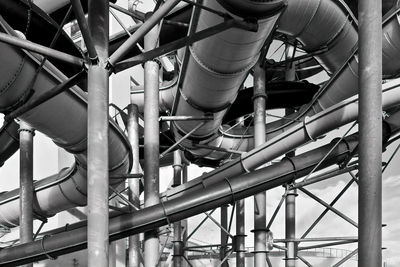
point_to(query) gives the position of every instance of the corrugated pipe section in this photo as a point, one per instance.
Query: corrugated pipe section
(214, 76)
(318, 24)
(217, 67)
(64, 120)
(314, 126)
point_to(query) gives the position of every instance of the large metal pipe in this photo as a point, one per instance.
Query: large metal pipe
(218, 66)
(68, 188)
(260, 200)
(177, 209)
(151, 145)
(134, 187)
(329, 119)
(98, 244)
(26, 134)
(370, 149)
(9, 140)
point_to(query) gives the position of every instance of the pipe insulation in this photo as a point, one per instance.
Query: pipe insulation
(206, 198)
(64, 120)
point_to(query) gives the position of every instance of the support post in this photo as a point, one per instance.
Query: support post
(290, 200)
(290, 229)
(151, 145)
(98, 242)
(240, 233)
(370, 125)
(133, 184)
(178, 243)
(184, 223)
(224, 235)
(26, 134)
(260, 209)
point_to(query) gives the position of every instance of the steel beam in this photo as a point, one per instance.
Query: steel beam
(133, 184)
(182, 42)
(370, 121)
(56, 90)
(347, 186)
(151, 144)
(142, 31)
(84, 27)
(290, 199)
(174, 209)
(326, 205)
(26, 134)
(240, 234)
(98, 242)
(260, 204)
(43, 50)
(290, 228)
(178, 243)
(224, 236)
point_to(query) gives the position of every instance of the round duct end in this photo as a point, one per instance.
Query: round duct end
(259, 9)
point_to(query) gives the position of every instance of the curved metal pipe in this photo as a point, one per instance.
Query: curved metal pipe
(64, 120)
(9, 141)
(311, 127)
(216, 68)
(340, 59)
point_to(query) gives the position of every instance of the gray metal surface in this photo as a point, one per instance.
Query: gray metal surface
(370, 106)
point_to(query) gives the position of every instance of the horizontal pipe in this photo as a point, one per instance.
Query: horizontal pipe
(312, 127)
(232, 189)
(63, 118)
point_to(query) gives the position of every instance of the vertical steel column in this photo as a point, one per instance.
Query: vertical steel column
(290, 228)
(178, 243)
(112, 259)
(26, 134)
(290, 214)
(260, 209)
(133, 136)
(151, 145)
(240, 233)
(98, 137)
(184, 223)
(224, 235)
(370, 123)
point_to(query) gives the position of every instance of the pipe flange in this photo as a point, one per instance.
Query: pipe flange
(194, 105)
(31, 131)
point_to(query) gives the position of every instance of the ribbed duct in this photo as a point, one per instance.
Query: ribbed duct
(64, 120)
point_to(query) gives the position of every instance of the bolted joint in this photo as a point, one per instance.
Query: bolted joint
(238, 243)
(178, 249)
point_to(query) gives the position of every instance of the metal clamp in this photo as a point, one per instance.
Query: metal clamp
(293, 165)
(230, 188)
(305, 129)
(44, 250)
(165, 213)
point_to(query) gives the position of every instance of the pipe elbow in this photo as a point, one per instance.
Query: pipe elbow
(253, 8)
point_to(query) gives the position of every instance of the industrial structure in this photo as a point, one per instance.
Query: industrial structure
(250, 88)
